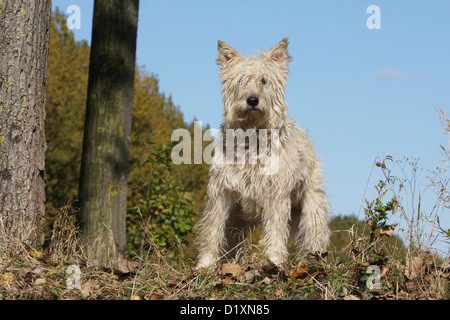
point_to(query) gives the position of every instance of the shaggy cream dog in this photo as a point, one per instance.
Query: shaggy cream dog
(283, 193)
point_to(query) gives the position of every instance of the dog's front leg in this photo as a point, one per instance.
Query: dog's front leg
(276, 215)
(212, 226)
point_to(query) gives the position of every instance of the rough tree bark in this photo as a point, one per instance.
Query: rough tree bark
(24, 45)
(105, 159)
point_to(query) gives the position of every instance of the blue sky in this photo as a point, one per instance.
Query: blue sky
(360, 93)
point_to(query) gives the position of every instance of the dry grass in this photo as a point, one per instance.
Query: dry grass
(26, 274)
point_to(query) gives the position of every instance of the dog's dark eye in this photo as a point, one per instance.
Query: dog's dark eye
(264, 81)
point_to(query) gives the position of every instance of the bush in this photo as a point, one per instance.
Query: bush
(164, 211)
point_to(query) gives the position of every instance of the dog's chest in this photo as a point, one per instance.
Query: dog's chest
(250, 182)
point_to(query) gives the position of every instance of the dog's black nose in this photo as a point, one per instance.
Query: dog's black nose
(252, 101)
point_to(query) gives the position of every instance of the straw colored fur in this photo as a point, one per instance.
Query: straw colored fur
(288, 198)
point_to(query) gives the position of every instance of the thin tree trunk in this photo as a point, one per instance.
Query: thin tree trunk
(24, 45)
(105, 160)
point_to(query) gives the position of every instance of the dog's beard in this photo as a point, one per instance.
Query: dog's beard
(245, 117)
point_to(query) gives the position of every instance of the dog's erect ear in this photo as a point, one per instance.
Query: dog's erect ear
(279, 53)
(226, 55)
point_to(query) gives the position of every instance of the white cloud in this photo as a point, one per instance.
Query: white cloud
(390, 73)
(422, 75)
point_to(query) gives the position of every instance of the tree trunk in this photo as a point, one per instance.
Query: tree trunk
(105, 159)
(24, 44)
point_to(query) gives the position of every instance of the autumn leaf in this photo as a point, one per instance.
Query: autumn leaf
(156, 296)
(126, 266)
(7, 278)
(92, 263)
(300, 272)
(387, 230)
(35, 254)
(231, 270)
(87, 287)
(40, 281)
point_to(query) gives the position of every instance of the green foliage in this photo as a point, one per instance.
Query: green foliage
(306, 285)
(165, 210)
(365, 275)
(377, 212)
(339, 280)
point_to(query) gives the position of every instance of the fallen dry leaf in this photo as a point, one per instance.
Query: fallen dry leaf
(35, 254)
(41, 256)
(300, 272)
(7, 278)
(87, 287)
(266, 281)
(40, 281)
(351, 297)
(126, 266)
(384, 271)
(231, 269)
(250, 275)
(92, 263)
(156, 296)
(38, 271)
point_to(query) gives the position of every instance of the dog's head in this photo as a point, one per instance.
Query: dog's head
(254, 87)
